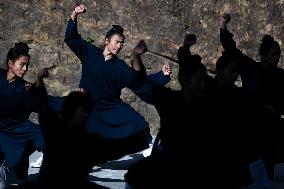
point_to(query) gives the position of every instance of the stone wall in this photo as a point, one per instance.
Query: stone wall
(162, 23)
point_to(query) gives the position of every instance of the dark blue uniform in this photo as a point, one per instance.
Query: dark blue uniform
(16, 131)
(104, 80)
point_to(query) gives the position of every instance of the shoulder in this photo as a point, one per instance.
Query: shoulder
(94, 47)
(121, 63)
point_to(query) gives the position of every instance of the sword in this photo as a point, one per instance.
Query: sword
(52, 67)
(164, 56)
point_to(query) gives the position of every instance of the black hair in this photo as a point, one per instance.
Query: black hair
(188, 69)
(19, 49)
(266, 44)
(116, 29)
(73, 101)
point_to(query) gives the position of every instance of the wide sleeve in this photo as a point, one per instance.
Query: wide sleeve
(153, 81)
(159, 78)
(146, 91)
(226, 39)
(130, 78)
(74, 41)
(37, 95)
(228, 43)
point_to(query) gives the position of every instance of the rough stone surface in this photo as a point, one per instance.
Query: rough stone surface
(162, 23)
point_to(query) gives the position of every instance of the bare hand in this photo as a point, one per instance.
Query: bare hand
(43, 73)
(80, 9)
(140, 48)
(166, 69)
(82, 90)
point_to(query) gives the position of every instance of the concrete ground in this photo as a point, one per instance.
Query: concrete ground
(111, 174)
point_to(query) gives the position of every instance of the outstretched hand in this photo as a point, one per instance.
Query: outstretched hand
(80, 9)
(140, 48)
(166, 69)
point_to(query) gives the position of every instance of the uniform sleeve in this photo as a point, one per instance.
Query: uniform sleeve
(159, 78)
(74, 41)
(226, 39)
(147, 91)
(37, 95)
(130, 77)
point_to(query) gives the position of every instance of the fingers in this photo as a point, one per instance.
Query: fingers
(140, 48)
(82, 90)
(167, 70)
(80, 9)
(83, 8)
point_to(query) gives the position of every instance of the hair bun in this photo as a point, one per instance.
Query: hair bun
(118, 28)
(21, 46)
(267, 39)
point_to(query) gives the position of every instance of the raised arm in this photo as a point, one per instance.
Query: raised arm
(184, 52)
(37, 92)
(138, 50)
(137, 63)
(226, 38)
(72, 37)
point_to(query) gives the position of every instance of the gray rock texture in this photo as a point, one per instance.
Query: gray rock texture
(162, 23)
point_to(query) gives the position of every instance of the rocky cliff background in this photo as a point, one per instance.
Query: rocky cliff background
(161, 23)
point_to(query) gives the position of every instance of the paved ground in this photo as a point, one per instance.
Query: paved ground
(111, 174)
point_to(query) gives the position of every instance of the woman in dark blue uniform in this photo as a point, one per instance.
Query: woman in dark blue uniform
(19, 137)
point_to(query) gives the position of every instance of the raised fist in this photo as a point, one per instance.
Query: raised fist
(167, 70)
(225, 18)
(80, 9)
(140, 48)
(43, 73)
